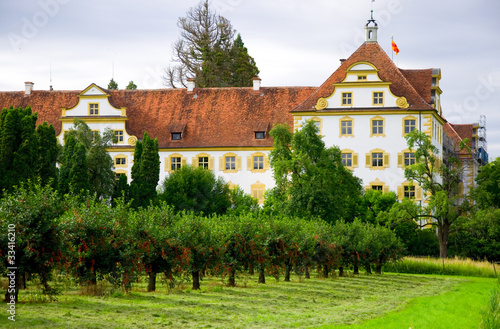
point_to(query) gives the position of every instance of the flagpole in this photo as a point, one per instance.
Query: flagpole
(392, 49)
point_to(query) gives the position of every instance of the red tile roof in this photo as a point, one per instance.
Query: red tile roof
(458, 132)
(374, 54)
(213, 117)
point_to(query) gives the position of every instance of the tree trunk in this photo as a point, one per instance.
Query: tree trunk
(341, 271)
(250, 270)
(325, 271)
(307, 274)
(232, 280)
(152, 282)
(368, 268)
(262, 276)
(288, 269)
(443, 234)
(22, 281)
(196, 280)
(378, 269)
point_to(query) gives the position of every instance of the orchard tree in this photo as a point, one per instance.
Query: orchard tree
(196, 189)
(310, 178)
(32, 241)
(208, 52)
(145, 172)
(19, 157)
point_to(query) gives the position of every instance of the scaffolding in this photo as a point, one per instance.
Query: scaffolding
(482, 144)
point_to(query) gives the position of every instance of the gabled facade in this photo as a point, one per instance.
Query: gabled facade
(365, 107)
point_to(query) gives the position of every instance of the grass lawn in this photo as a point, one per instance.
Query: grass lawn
(390, 300)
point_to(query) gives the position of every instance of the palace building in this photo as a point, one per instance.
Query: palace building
(366, 107)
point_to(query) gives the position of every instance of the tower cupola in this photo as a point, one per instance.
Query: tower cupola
(371, 30)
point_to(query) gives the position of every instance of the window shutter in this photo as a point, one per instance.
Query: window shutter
(167, 164)
(386, 159)
(183, 162)
(368, 160)
(400, 193)
(355, 160)
(400, 160)
(386, 189)
(266, 162)
(211, 163)
(249, 162)
(238, 163)
(222, 166)
(195, 162)
(418, 193)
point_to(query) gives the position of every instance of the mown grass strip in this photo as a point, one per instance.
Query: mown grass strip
(297, 304)
(458, 308)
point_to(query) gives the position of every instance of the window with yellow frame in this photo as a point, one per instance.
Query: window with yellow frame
(258, 191)
(409, 124)
(120, 160)
(93, 108)
(378, 98)
(406, 158)
(349, 159)
(230, 163)
(346, 127)
(174, 162)
(203, 160)
(377, 159)
(347, 99)
(258, 162)
(377, 127)
(378, 185)
(409, 190)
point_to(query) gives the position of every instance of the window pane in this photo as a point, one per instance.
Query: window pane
(377, 159)
(377, 127)
(346, 98)
(347, 159)
(346, 127)
(175, 163)
(203, 162)
(260, 135)
(258, 162)
(409, 126)
(378, 98)
(409, 159)
(377, 187)
(230, 163)
(409, 191)
(176, 136)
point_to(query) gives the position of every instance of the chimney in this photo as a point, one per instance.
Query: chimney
(28, 87)
(256, 83)
(190, 84)
(342, 60)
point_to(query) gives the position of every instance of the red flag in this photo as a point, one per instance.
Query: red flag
(395, 47)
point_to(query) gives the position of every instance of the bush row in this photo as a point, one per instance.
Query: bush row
(94, 241)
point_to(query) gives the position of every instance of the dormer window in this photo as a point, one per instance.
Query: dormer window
(260, 135)
(176, 131)
(361, 77)
(260, 130)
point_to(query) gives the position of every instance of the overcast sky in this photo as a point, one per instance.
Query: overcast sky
(294, 43)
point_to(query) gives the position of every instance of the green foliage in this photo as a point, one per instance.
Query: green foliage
(310, 178)
(131, 85)
(490, 316)
(97, 239)
(48, 152)
(241, 202)
(112, 85)
(145, 172)
(478, 237)
(18, 147)
(208, 52)
(121, 190)
(445, 206)
(31, 214)
(487, 193)
(198, 190)
(373, 203)
(86, 164)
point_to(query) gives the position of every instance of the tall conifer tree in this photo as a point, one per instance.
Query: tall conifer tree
(145, 172)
